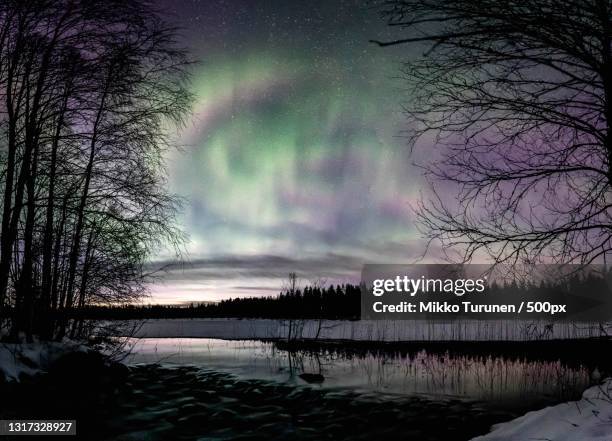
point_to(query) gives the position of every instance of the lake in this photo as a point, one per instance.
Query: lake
(217, 389)
(498, 380)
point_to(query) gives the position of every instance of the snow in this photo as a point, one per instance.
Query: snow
(366, 330)
(17, 359)
(589, 419)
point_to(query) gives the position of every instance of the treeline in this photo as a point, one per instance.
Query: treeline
(333, 302)
(86, 89)
(340, 302)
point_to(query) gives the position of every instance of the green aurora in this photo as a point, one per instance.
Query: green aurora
(293, 159)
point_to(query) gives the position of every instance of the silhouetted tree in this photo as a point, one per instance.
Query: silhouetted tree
(519, 93)
(86, 89)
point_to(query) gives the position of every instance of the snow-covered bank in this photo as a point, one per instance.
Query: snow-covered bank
(589, 419)
(364, 330)
(30, 359)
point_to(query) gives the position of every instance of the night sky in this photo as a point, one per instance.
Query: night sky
(293, 159)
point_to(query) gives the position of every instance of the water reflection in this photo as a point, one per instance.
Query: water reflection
(486, 377)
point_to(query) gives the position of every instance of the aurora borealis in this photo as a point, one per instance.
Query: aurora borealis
(293, 159)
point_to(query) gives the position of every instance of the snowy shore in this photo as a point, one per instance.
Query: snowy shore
(30, 359)
(589, 419)
(366, 330)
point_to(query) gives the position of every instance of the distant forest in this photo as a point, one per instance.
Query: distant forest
(340, 302)
(333, 302)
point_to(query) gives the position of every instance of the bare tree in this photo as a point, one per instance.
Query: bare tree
(518, 96)
(291, 289)
(86, 91)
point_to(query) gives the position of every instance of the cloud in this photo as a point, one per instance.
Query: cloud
(329, 266)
